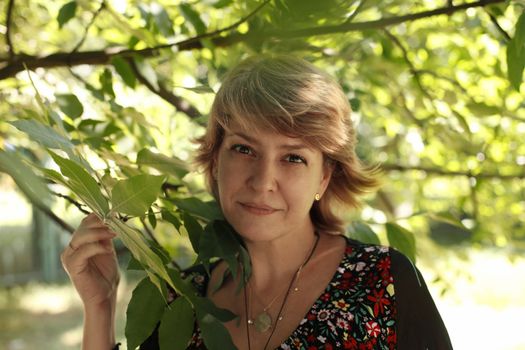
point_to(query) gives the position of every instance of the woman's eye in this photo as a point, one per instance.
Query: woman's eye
(241, 149)
(294, 158)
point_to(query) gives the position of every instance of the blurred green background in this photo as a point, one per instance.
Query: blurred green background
(436, 99)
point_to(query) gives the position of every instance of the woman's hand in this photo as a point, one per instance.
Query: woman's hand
(91, 262)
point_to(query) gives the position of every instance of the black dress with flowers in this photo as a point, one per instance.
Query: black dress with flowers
(376, 299)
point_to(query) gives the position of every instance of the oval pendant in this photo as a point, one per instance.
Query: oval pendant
(263, 322)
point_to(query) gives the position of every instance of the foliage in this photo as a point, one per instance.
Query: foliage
(102, 99)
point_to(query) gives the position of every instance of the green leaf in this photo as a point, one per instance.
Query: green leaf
(355, 104)
(125, 71)
(203, 89)
(515, 65)
(134, 264)
(144, 311)
(205, 305)
(169, 217)
(70, 105)
(106, 82)
(194, 230)
(208, 211)
(208, 246)
(152, 218)
(519, 34)
(135, 195)
(167, 165)
(228, 243)
(363, 233)
(402, 239)
(193, 17)
(43, 134)
(137, 245)
(163, 21)
(176, 326)
(183, 287)
(214, 334)
(82, 184)
(66, 13)
(516, 54)
(28, 182)
(147, 71)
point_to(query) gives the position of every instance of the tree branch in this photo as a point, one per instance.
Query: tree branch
(443, 172)
(53, 217)
(8, 23)
(104, 56)
(179, 103)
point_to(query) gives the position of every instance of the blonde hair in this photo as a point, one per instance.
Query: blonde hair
(291, 96)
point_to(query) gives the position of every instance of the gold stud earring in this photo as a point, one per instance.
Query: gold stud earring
(317, 197)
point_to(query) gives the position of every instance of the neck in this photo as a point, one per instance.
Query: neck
(275, 262)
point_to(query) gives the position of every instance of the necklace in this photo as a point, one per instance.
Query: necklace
(263, 321)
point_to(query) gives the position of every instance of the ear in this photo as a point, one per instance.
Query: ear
(328, 169)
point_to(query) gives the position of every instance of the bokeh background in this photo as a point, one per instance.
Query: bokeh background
(435, 92)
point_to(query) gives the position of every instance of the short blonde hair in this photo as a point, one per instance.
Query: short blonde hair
(291, 96)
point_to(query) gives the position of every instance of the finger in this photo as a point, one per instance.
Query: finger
(87, 236)
(76, 263)
(92, 220)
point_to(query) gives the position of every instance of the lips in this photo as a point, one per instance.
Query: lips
(257, 209)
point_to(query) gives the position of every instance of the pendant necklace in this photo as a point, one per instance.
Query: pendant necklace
(263, 321)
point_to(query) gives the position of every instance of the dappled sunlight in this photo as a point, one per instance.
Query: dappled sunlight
(482, 304)
(72, 337)
(49, 299)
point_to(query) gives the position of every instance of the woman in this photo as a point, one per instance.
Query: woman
(279, 155)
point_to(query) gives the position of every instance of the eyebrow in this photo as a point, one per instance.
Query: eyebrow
(297, 146)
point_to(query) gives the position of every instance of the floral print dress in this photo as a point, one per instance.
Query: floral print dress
(355, 311)
(376, 300)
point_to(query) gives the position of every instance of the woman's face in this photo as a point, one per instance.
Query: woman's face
(267, 183)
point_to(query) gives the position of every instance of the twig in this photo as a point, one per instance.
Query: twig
(179, 103)
(104, 56)
(502, 31)
(8, 21)
(72, 201)
(79, 44)
(356, 11)
(411, 66)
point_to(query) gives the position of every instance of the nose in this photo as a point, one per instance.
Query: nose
(263, 176)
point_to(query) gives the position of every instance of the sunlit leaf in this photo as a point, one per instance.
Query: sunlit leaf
(136, 243)
(198, 89)
(163, 163)
(28, 182)
(82, 184)
(135, 195)
(43, 134)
